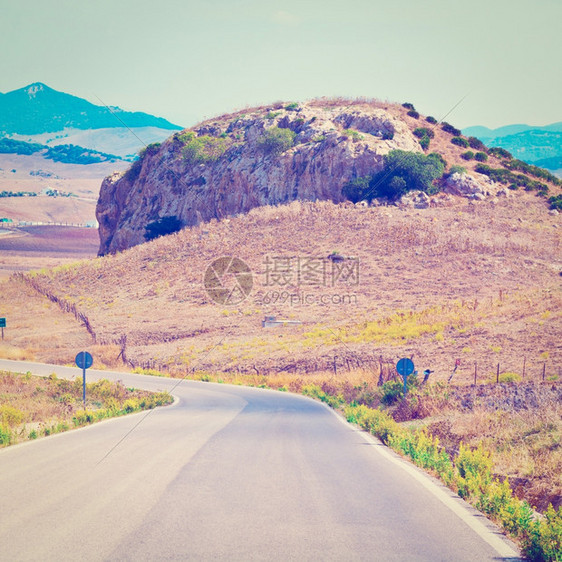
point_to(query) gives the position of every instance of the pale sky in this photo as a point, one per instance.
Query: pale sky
(187, 60)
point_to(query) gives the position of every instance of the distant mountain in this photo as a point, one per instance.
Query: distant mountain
(541, 146)
(38, 109)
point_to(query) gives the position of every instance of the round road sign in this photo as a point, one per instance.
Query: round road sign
(84, 360)
(405, 367)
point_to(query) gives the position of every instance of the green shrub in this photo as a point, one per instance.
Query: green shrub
(272, 114)
(439, 158)
(421, 132)
(355, 136)
(450, 129)
(506, 176)
(500, 152)
(510, 377)
(292, 106)
(535, 171)
(405, 171)
(477, 144)
(357, 189)
(387, 135)
(274, 141)
(10, 416)
(198, 150)
(413, 113)
(162, 227)
(5, 435)
(391, 392)
(456, 169)
(425, 142)
(556, 202)
(408, 105)
(481, 157)
(459, 141)
(468, 155)
(431, 120)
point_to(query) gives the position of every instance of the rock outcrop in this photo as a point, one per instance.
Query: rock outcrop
(229, 165)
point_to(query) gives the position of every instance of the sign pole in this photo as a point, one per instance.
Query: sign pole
(405, 367)
(84, 361)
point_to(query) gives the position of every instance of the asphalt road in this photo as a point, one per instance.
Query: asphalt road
(226, 473)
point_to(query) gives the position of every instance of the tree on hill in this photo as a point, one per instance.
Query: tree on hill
(403, 171)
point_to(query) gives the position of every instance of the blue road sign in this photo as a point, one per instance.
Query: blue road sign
(405, 367)
(84, 360)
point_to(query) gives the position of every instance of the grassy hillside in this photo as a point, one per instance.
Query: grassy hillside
(476, 281)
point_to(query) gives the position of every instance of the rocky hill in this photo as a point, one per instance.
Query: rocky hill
(276, 154)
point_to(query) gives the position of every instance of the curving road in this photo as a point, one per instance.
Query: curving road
(226, 473)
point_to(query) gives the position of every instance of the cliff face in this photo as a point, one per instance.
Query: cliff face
(232, 164)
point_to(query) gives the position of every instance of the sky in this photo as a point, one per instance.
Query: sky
(491, 62)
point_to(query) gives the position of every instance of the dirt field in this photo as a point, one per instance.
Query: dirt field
(37, 247)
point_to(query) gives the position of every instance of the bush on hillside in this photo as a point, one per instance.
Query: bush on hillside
(198, 150)
(456, 169)
(450, 129)
(408, 105)
(274, 141)
(423, 132)
(413, 113)
(431, 119)
(424, 142)
(481, 157)
(468, 155)
(406, 171)
(439, 158)
(500, 152)
(477, 144)
(356, 189)
(459, 141)
(556, 202)
(521, 166)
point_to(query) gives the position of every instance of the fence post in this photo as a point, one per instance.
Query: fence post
(475, 372)
(524, 364)
(543, 371)
(498, 374)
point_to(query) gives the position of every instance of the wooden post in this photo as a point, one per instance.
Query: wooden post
(543, 371)
(335, 366)
(524, 364)
(475, 372)
(498, 374)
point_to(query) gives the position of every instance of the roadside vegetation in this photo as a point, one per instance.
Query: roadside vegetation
(33, 407)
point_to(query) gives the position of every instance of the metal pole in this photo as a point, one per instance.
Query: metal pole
(405, 386)
(84, 379)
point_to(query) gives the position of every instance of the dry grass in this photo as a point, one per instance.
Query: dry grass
(475, 282)
(31, 406)
(526, 445)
